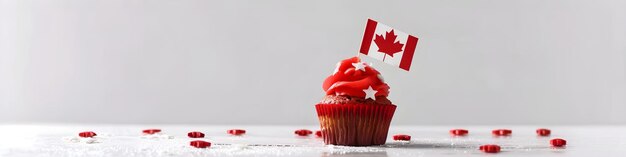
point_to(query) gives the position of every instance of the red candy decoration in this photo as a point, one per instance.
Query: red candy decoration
(557, 142)
(200, 144)
(151, 131)
(195, 134)
(459, 132)
(303, 132)
(87, 134)
(401, 137)
(236, 131)
(502, 132)
(543, 132)
(318, 133)
(490, 148)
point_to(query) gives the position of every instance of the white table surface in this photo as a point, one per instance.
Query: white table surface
(126, 140)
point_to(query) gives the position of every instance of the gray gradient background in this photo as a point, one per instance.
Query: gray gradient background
(262, 62)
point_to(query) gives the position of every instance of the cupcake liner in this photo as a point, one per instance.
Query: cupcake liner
(355, 124)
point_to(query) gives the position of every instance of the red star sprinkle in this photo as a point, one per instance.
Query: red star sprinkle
(195, 134)
(303, 132)
(543, 132)
(151, 131)
(87, 134)
(557, 142)
(200, 144)
(459, 132)
(236, 131)
(401, 137)
(318, 133)
(502, 132)
(490, 148)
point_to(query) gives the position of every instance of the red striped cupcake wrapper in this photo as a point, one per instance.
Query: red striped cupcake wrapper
(355, 124)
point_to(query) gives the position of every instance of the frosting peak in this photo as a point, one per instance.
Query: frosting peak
(353, 78)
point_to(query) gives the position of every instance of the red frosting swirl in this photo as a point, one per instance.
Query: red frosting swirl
(347, 80)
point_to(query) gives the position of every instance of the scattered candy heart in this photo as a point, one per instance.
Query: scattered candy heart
(87, 134)
(236, 131)
(195, 134)
(318, 133)
(401, 137)
(459, 132)
(502, 132)
(543, 132)
(557, 142)
(200, 144)
(490, 148)
(151, 131)
(303, 132)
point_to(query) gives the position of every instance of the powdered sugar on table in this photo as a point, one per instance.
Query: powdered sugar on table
(128, 140)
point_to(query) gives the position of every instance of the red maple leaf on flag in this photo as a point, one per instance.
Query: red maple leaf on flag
(388, 44)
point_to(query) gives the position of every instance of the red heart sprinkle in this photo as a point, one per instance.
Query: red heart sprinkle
(151, 131)
(401, 137)
(87, 134)
(459, 132)
(236, 131)
(303, 132)
(502, 132)
(195, 134)
(200, 144)
(543, 132)
(557, 142)
(490, 148)
(318, 133)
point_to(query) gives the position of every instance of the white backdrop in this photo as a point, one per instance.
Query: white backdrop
(262, 62)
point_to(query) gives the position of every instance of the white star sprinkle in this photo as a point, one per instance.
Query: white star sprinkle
(337, 68)
(359, 66)
(370, 93)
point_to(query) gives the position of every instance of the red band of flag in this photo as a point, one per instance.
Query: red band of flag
(367, 37)
(407, 58)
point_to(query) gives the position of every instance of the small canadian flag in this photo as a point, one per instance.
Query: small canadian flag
(388, 45)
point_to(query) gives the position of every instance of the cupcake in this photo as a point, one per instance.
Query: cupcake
(355, 110)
